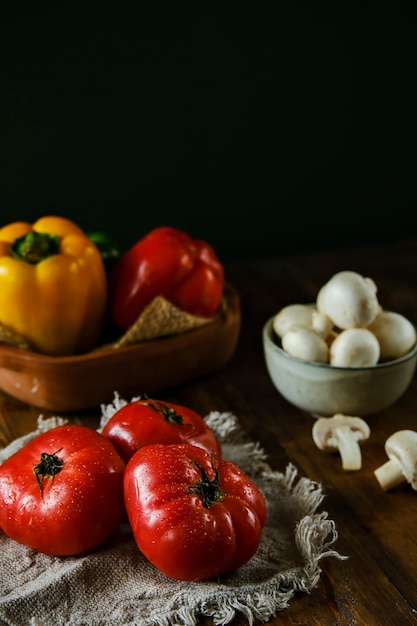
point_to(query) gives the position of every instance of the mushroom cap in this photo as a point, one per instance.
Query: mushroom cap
(321, 323)
(402, 448)
(325, 430)
(395, 333)
(303, 342)
(301, 315)
(290, 315)
(354, 347)
(349, 299)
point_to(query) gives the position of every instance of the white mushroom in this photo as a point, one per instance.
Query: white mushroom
(349, 300)
(395, 333)
(342, 433)
(301, 314)
(304, 343)
(401, 449)
(321, 324)
(354, 347)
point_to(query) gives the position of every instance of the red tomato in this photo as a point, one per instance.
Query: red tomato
(166, 262)
(62, 493)
(193, 518)
(148, 421)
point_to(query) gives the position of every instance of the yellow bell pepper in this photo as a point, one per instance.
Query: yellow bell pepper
(53, 286)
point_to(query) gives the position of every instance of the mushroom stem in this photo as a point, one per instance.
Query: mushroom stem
(389, 474)
(401, 449)
(349, 448)
(342, 433)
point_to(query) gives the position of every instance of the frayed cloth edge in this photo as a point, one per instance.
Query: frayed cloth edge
(315, 536)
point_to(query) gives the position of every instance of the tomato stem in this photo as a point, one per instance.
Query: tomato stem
(167, 412)
(48, 467)
(208, 490)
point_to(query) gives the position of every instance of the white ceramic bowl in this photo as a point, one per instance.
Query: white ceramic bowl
(323, 389)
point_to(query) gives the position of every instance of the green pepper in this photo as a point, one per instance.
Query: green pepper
(107, 246)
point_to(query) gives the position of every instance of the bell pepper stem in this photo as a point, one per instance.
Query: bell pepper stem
(35, 247)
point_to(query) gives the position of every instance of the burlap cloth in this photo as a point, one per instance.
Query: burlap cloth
(116, 586)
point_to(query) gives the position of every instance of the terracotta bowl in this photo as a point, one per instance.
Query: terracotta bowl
(88, 380)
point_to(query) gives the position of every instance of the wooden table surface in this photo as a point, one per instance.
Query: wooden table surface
(377, 584)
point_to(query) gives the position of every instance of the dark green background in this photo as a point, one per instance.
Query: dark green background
(265, 128)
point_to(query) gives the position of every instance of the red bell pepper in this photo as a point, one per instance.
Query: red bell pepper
(166, 262)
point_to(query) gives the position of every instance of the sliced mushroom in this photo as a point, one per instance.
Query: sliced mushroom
(342, 433)
(304, 343)
(401, 449)
(354, 347)
(349, 299)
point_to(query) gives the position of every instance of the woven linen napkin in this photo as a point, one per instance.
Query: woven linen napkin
(116, 586)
